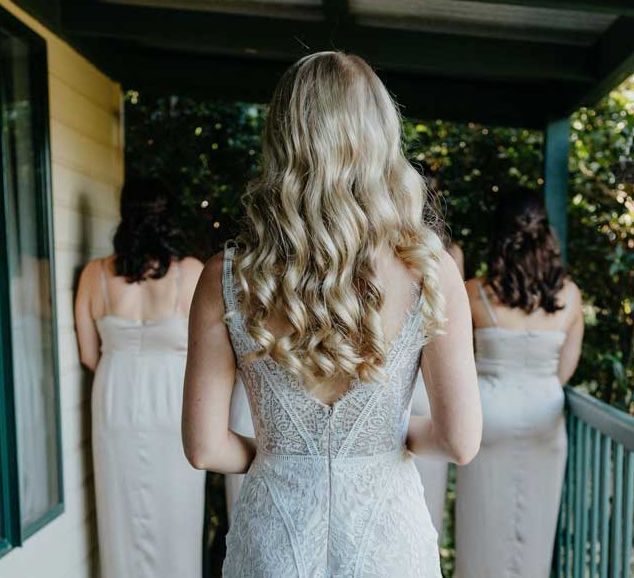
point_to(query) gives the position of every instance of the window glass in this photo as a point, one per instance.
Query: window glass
(28, 270)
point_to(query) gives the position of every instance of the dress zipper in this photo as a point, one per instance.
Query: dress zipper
(328, 458)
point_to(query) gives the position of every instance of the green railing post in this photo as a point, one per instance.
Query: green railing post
(604, 513)
(578, 514)
(594, 508)
(617, 508)
(568, 520)
(628, 514)
(585, 493)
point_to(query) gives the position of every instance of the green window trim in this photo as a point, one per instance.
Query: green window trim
(12, 532)
(9, 494)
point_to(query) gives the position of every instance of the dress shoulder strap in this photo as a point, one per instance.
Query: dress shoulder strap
(487, 304)
(103, 278)
(228, 285)
(177, 283)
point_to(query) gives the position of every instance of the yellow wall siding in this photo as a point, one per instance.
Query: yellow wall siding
(87, 171)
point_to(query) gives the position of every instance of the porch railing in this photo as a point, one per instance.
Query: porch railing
(596, 519)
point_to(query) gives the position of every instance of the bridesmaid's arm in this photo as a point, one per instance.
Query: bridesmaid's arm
(455, 428)
(571, 350)
(211, 370)
(87, 336)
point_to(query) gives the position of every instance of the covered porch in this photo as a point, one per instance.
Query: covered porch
(520, 63)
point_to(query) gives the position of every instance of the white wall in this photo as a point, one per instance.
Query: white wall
(87, 171)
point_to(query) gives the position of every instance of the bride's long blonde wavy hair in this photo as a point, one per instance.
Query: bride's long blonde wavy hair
(334, 188)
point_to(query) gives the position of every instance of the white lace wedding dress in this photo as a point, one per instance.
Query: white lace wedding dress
(332, 490)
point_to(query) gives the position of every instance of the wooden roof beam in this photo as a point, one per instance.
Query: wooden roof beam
(242, 79)
(614, 59)
(625, 7)
(337, 12)
(286, 40)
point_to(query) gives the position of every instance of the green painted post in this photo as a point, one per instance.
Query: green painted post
(570, 489)
(617, 507)
(563, 525)
(585, 497)
(628, 513)
(604, 512)
(558, 553)
(594, 520)
(577, 564)
(556, 150)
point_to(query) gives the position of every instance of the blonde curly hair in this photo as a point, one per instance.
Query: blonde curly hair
(334, 188)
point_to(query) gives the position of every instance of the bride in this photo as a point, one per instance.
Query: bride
(334, 295)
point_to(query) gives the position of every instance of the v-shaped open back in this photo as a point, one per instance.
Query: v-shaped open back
(410, 323)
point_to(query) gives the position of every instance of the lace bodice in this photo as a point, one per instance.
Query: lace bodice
(332, 491)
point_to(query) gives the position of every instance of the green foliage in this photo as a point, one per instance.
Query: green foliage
(468, 166)
(205, 150)
(601, 214)
(208, 150)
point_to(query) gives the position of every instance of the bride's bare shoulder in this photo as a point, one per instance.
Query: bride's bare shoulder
(208, 293)
(449, 275)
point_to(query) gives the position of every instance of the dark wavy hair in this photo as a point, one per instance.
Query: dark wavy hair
(147, 238)
(525, 268)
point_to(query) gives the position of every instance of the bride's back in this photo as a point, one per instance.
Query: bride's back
(330, 468)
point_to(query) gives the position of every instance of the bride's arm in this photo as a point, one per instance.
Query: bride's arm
(448, 366)
(211, 369)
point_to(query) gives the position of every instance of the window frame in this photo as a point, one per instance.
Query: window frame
(13, 534)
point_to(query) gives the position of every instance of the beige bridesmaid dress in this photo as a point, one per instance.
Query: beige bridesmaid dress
(508, 496)
(432, 470)
(150, 501)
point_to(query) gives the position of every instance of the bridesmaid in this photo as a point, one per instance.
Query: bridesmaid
(433, 470)
(240, 422)
(529, 328)
(131, 317)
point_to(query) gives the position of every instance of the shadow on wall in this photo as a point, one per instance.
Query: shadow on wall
(85, 253)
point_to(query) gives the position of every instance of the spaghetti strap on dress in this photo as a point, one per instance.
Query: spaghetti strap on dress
(487, 305)
(103, 283)
(332, 491)
(177, 283)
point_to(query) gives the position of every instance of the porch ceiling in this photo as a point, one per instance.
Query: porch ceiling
(518, 62)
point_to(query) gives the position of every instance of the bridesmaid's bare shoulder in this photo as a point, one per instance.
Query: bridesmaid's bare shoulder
(570, 294)
(571, 287)
(92, 271)
(472, 287)
(95, 265)
(191, 267)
